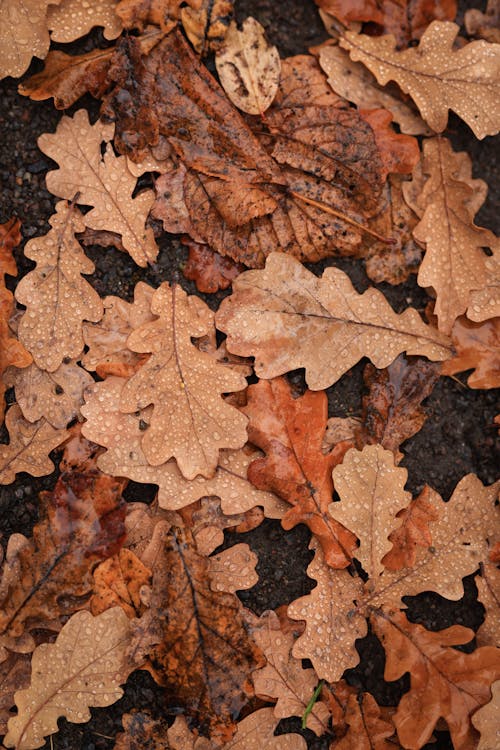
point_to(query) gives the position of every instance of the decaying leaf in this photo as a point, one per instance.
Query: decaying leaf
(248, 67)
(29, 447)
(287, 318)
(56, 296)
(117, 582)
(487, 24)
(478, 347)
(102, 182)
(83, 668)
(436, 76)
(486, 721)
(444, 682)
(137, 14)
(290, 432)
(142, 730)
(23, 34)
(367, 729)
(206, 23)
(371, 490)
(209, 270)
(72, 19)
(488, 593)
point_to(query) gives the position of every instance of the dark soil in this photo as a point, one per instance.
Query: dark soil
(458, 437)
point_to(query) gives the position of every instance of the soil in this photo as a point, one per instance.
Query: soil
(458, 437)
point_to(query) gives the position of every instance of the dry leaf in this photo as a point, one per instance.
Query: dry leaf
(83, 668)
(209, 270)
(248, 67)
(486, 720)
(102, 182)
(488, 593)
(287, 318)
(367, 730)
(206, 23)
(23, 34)
(371, 490)
(56, 396)
(485, 25)
(117, 582)
(74, 18)
(436, 76)
(56, 296)
(290, 432)
(444, 682)
(478, 347)
(29, 447)
(284, 679)
(414, 531)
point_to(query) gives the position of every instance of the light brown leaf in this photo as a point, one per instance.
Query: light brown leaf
(23, 34)
(486, 720)
(287, 318)
(206, 23)
(29, 447)
(371, 490)
(478, 347)
(102, 182)
(74, 18)
(284, 679)
(488, 588)
(485, 302)
(56, 296)
(485, 25)
(248, 67)
(367, 730)
(437, 77)
(83, 668)
(117, 582)
(15, 673)
(444, 681)
(233, 569)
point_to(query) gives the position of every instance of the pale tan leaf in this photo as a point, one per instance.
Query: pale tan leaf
(287, 318)
(102, 182)
(29, 446)
(371, 490)
(488, 593)
(74, 18)
(256, 732)
(57, 395)
(83, 668)
(332, 622)
(23, 34)
(486, 721)
(248, 67)
(436, 76)
(355, 83)
(233, 569)
(284, 679)
(56, 296)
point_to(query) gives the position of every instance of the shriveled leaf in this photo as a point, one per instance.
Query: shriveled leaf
(486, 720)
(290, 432)
(102, 182)
(56, 396)
(436, 76)
(206, 23)
(117, 582)
(445, 683)
(248, 67)
(485, 25)
(488, 593)
(15, 673)
(332, 622)
(414, 531)
(72, 19)
(209, 270)
(83, 668)
(29, 447)
(284, 679)
(371, 490)
(23, 34)
(287, 318)
(233, 569)
(56, 296)
(478, 347)
(367, 729)
(355, 83)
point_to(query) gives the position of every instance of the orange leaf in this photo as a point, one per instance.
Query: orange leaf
(117, 581)
(414, 531)
(367, 730)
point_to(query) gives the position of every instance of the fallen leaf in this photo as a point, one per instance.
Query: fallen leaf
(206, 23)
(488, 588)
(287, 318)
(83, 668)
(367, 729)
(248, 67)
(485, 25)
(445, 683)
(102, 182)
(290, 432)
(486, 720)
(23, 34)
(233, 569)
(117, 582)
(29, 447)
(142, 730)
(284, 679)
(15, 673)
(478, 347)
(485, 302)
(371, 490)
(414, 531)
(56, 297)
(138, 14)
(72, 19)
(436, 76)
(209, 270)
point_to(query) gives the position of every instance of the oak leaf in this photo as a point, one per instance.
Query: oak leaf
(23, 34)
(102, 182)
(206, 23)
(233, 569)
(72, 19)
(414, 531)
(138, 14)
(485, 720)
(56, 296)
(485, 302)
(478, 347)
(290, 432)
(209, 270)
(15, 673)
(29, 447)
(444, 682)
(287, 318)
(248, 67)
(83, 668)
(488, 593)
(367, 729)
(117, 582)
(436, 76)
(485, 25)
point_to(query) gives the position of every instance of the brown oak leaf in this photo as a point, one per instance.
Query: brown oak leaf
(367, 729)
(290, 432)
(206, 23)
(478, 347)
(209, 270)
(437, 77)
(486, 720)
(485, 302)
(56, 296)
(15, 672)
(487, 24)
(287, 318)
(117, 582)
(72, 19)
(138, 14)
(233, 569)
(23, 34)
(488, 588)
(414, 531)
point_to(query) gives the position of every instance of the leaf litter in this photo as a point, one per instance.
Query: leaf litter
(112, 587)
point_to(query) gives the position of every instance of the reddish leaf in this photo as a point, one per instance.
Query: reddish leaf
(209, 270)
(414, 531)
